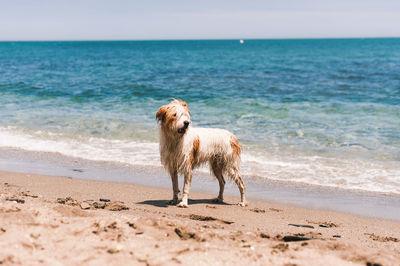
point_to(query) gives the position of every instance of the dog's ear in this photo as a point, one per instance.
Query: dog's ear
(162, 112)
(184, 104)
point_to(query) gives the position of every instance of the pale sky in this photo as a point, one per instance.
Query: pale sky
(200, 19)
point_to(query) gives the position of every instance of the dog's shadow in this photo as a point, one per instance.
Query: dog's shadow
(167, 203)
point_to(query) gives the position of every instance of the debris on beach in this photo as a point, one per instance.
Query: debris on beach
(328, 225)
(201, 217)
(116, 206)
(85, 205)
(264, 235)
(302, 225)
(382, 238)
(98, 205)
(104, 200)
(323, 224)
(257, 210)
(9, 209)
(27, 194)
(90, 204)
(280, 247)
(295, 238)
(197, 217)
(16, 200)
(68, 201)
(131, 224)
(275, 210)
(184, 235)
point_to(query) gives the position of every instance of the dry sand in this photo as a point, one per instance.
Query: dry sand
(61, 221)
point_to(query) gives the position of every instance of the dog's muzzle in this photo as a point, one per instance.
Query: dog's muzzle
(184, 128)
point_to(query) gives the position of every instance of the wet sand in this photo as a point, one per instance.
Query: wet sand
(62, 221)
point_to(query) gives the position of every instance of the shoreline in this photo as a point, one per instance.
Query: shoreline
(364, 203)
(260, 233)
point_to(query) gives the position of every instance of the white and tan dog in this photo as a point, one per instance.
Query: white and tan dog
(183, 148)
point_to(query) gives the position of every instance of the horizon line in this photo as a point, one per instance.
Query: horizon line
(199, 39)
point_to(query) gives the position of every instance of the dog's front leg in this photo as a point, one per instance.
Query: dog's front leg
(186, 188)
(175, 186)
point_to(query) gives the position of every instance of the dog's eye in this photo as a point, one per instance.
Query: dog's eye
(175, 114)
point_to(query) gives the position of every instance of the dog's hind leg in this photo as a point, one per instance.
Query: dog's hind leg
(186, 189)
(175, 187)
(234, 174)
(221, 182)
(216, 169)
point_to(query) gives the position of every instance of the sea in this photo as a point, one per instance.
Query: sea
(323, 113)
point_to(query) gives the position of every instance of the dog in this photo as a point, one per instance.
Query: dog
(184, 148)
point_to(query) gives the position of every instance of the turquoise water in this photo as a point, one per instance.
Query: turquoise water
(324, 112)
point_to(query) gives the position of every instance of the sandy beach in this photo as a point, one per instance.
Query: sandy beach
(63, 221)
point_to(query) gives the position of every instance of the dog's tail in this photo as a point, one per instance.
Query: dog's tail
(236, 148)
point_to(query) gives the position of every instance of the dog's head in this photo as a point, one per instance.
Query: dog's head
(174, 117)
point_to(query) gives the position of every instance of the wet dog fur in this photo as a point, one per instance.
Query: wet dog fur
(184, 148)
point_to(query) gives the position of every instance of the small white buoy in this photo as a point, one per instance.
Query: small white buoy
(241, 41)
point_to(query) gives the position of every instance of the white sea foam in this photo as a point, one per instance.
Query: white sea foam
(99, 149)
(348, 173)
(333, 171)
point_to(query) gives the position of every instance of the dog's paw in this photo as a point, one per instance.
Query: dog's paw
(242, 204)
(218, 200)
(182, 205)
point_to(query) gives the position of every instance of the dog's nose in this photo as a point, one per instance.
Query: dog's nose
(186, 123)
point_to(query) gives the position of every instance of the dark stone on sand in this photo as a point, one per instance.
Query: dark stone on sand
(337, 236)
(328, 225)
(99, 205)
(113, 251)
(77, 170)
(263, 235)
(61, 200)
(178, 232)
(302, 225)
(131, 225)
(16, 200)
(372, 264)
(294, 238)
(184, 235)
(104, 200)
